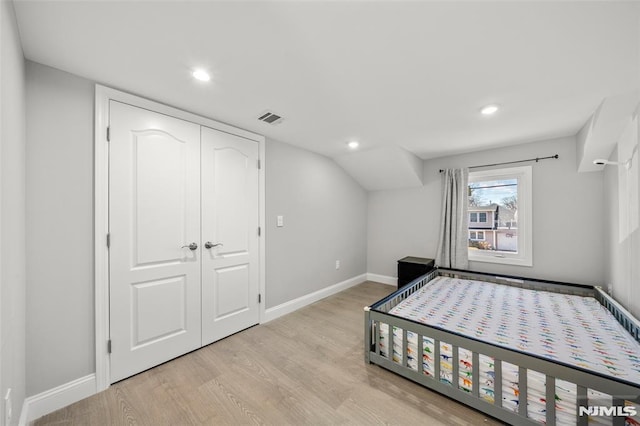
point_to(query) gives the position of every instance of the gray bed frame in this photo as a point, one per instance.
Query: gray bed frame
(377, 313)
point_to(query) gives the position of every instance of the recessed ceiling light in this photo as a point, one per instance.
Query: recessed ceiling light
(489, 109)
(353, 144)
(201, 75)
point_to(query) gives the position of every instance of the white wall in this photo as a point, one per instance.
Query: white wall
(567, 216)
(622, 257)
(60, 284)
(325, 213)
(12, 212)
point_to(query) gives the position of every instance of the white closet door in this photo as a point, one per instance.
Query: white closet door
(154, 210)
(230, 227)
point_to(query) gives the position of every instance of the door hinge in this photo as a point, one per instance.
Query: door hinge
(259, 165)
(108, 134)
(259, 298)
(108, 240)
(259, 231)
(109, 346)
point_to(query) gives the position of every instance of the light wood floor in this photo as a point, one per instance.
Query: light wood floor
(303, 368)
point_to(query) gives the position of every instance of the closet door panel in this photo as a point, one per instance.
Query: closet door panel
(230, 224)
(230, 208)
(154, 211)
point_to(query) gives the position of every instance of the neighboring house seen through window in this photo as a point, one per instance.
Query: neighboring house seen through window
(500, 216)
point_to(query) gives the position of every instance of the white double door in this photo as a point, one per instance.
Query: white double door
(183, 225)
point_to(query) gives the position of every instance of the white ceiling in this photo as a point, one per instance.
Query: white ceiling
(406, 74)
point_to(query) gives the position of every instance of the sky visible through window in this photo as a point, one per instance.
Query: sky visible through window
(494, 191)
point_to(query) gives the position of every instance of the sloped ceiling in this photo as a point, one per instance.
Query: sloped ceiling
(383, 168)
(391, 74)
(598, 137)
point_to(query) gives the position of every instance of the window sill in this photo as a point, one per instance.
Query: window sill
(501, 259)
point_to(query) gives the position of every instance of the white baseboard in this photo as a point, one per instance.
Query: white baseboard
(49, 401)
(300, 302)
(382, 279)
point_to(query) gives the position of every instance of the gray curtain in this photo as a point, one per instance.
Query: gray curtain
(454, 226)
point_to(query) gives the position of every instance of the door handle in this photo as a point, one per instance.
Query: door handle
(210, 245)
(192, 246)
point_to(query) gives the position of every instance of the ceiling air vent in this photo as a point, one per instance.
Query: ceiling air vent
(270, 117)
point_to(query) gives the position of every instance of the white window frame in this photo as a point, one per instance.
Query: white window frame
(477, 235)
(480, 217)
(524, 256)
(471, 216)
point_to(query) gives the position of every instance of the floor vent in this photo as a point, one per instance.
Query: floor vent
(270, 117)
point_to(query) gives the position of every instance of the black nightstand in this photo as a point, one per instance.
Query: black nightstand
(410, 268)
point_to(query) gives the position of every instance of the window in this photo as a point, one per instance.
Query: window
(476, 235)
(477, 217)
(508, 239)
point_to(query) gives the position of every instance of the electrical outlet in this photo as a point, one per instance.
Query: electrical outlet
(7, 407)
(337, 264)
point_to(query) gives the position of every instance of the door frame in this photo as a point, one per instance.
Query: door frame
(103, 95)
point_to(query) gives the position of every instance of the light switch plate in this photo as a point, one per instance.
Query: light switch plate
(280, 221)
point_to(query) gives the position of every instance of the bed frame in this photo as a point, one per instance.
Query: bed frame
(377, 313)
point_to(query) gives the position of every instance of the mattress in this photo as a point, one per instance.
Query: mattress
(573, 330)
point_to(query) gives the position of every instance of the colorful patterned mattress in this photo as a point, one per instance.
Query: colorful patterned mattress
(574, 330)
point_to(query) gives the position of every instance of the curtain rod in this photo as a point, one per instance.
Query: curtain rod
(513, 162)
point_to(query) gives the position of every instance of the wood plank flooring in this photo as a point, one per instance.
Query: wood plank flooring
(305, 368)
